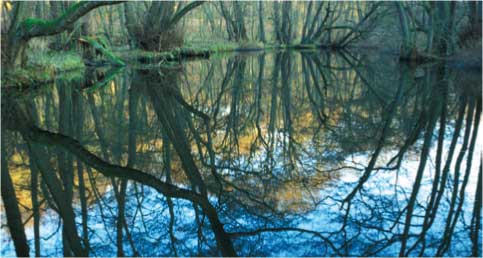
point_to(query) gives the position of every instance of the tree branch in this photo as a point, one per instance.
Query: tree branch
(32, 27)
(185, 10)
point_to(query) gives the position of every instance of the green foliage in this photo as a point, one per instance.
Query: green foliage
(212, 46)
(47, 25)
(138, 54)
(304, 46)
(203, 49)
(103, 41)
(224, 46)
(254, 45)
(101, 45)
(193, 49)
(43, 67)
(20, 77)
(56, 61)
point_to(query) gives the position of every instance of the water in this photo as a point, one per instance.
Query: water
(258, 154)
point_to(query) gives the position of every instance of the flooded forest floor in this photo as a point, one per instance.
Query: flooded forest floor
(45, 66)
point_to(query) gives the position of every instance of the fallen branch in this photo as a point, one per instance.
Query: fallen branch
(106, 52)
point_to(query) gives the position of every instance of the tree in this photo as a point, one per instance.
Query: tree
(234, 21)
(21, 31)
(261, 30)
(157, 31)
(283, 24)
(408, 48)
(443, 26)
(439, 28)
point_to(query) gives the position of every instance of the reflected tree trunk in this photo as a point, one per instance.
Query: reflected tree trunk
(433, 114)
(475, 226)
(437, 175)
(64, 206)
(17, 120)
(166, 108)
(167, 172)
(166, 103)
(34, 185)
(78, 113)
(9, 198)
(458, 200)
(65, 162)
(388, 117)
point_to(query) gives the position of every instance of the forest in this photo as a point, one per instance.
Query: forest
(241, 128)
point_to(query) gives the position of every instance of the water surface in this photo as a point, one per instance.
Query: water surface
(261, 154)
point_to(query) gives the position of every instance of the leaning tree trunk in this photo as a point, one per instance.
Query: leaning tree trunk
(20, 33)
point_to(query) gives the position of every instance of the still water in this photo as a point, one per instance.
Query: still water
(257, 154)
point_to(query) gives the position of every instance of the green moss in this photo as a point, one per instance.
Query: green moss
(30, 22)
(49, 25)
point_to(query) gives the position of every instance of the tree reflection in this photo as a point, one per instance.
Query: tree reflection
(249, 155)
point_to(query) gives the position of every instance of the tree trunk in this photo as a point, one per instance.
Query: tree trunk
(239, 21)
(158, 30)
(407, 51)
(261, 30)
